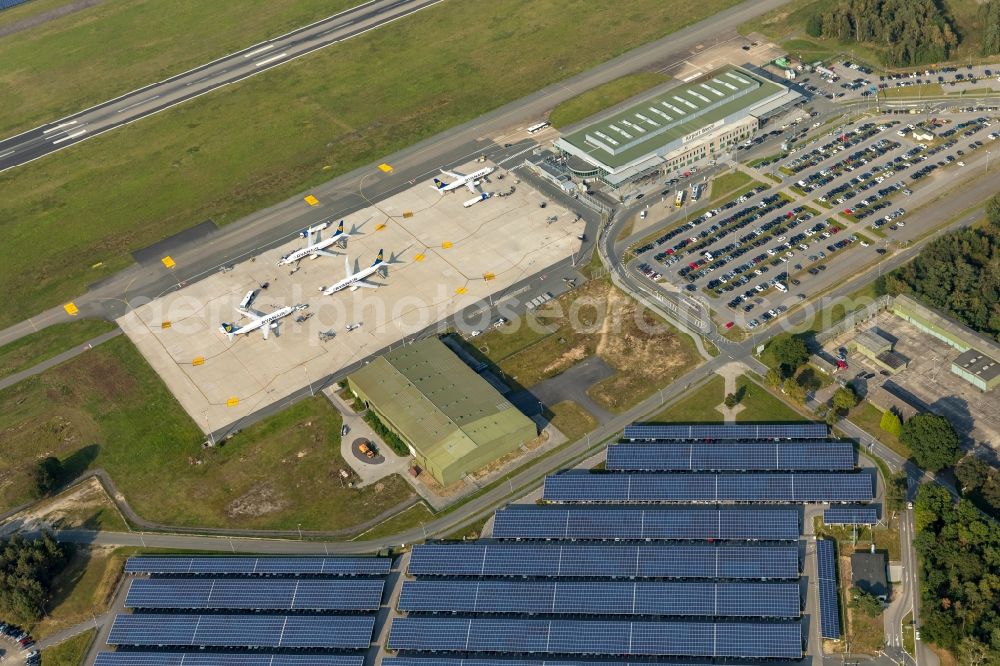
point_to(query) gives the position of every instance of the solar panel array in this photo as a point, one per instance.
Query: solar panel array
(606, 560)
(217, 659)
(829, 609)
(247, 611)
(851, 515)
(585, 486)
(730, 456)
(256, 594)
(559, 522)
(235, 631)
(666, 638)
(459, 661)
(652, 433)
(704, 599)
(259, 566)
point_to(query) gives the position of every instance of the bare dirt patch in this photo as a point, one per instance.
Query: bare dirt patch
(260, 501)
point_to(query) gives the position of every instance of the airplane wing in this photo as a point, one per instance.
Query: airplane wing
(264, 330)
(324, 253)
(249, 313)
(456, 176)
(472, 187)
(366, 285)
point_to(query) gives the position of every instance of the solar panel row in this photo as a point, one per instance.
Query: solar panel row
(256, 631)
(255, 594)
(557, 522)
(264, 566)
(713, 432)
(730, 456)
(446, 661)
(851, 515)
(612, 560)
(829, 609)
(585, 486)
(708, 639)
(778, 600)
(222, 659)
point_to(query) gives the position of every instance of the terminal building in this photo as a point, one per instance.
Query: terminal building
(677, 128)
(453, 421)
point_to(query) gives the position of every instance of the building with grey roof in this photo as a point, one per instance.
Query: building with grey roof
(676, 128)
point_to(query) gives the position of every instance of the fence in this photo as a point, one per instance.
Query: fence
(853, 319)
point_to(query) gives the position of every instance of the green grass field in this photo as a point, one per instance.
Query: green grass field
(603, 97)
(64, 65)
(48, 342)
(699, 406)
(572, 420)
(84, 588)
(224, 155)
(728, 182)
(914, 92)
(70, 652)
(107, 408)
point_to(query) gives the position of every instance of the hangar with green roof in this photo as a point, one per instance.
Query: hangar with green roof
(675, 128)
(453, 421)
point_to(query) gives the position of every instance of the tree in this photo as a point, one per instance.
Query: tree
(795, 391)
(789, 352)
(891, 423)
(731, 400)
(989, 19)
(814, 25)
(972, 472)
(27, 567)
(844, 399)
(773, 377)
(973, 653)
(48, 473)
(993, 205)
(932, 440)
(895, 491)
(866, 602)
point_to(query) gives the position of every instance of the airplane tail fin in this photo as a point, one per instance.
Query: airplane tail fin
(340, 227)
(378, 259)
(438, 183)
(228, 329)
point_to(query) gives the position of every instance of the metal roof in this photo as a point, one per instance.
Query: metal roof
(979, 364)
(639, 130)
(437, 402)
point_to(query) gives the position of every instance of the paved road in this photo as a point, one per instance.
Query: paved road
(156, 97)
(10, 380)
(348, 193)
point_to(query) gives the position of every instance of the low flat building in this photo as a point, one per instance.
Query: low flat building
(868, 572)
(977, 368)
(885, 401)
(980, 367)
(676, 128)
(453, 421)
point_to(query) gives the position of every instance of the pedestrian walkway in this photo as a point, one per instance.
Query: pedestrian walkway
(57, 359)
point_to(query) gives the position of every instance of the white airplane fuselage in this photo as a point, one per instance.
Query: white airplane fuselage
(470, 181)
(352, 281)
(265, 322)
(310, 251)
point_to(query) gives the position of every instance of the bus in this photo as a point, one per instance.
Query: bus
(679, 199)
(537, 127)
(695, 191)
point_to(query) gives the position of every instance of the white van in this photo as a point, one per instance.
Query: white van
(781, 287)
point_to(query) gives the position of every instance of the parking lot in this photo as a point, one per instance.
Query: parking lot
(847, 81)
(845, 198)
(17, 646)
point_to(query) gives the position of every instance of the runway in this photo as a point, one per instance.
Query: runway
(156, 97)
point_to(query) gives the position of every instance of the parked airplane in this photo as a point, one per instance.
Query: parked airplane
(354, 280)
(318, 248)
(258, 320)
(471, 181)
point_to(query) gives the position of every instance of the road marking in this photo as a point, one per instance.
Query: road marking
(260, 50)
(271, 59)
(9, 152)
(59, 127)
(198, 81)
(70, 136)
(142, 101)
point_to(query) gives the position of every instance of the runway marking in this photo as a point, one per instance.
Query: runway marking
(70, 136)
(257, 51)
(198, 81)
(271, 59)
(71, 309)
(59, 127)
(9, 152)
(142, 101)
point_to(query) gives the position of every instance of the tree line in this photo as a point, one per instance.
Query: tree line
(958, 274)
(906, 32)
(27, 568)
(959, 558)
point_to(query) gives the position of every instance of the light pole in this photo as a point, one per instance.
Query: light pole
(300, 531)
(305, 369)
(208, 426)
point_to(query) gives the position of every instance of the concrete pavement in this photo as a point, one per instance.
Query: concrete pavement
(10, 380)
